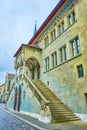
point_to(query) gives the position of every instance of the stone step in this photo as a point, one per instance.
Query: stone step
(59, 108)
(59, 111)
(58, 104)
(64, 120)
(65, 114)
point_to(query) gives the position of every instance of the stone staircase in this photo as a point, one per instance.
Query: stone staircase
(59, 111)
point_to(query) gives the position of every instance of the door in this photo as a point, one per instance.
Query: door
(19, 98)
(15, 98)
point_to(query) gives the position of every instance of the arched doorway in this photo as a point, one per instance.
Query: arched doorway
(15, 98)
(34, 68)
(19, 98)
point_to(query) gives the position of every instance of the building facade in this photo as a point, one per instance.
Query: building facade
(8, 85)
(57, 56)
(1, 93)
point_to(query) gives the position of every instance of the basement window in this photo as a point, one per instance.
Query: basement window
(85, 98)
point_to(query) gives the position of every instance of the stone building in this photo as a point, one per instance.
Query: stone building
(52, 68)
(1, 93)
(8, 85)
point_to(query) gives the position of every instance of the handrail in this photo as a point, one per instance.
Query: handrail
(36, 89)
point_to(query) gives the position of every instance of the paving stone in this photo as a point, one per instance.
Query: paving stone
(10, 122)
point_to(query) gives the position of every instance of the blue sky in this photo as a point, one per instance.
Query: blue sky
(17, 21)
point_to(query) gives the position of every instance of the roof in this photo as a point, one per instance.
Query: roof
(20, 48)
(55, 10)
(32, 46)
(10, 76)
(2, 85)
(49, 18)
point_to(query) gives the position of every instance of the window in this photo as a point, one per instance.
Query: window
(46, 41)
(74, 16)
(71, 18)
(47, 63)
(61, 28)
(85, 98)
(54, 59)
(75, 46)
(9, 83)
(63, 54)
(53, 35)
(80, 71)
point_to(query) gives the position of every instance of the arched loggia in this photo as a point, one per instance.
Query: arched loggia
(33, 65)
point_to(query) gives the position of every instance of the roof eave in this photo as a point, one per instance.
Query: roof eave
(52, 14)
(20, 48)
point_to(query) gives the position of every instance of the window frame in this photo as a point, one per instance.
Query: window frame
(46, 41)
(75, 46)
(71, 17)
(47, 66)
(54, 59)
(63, 53)
(80, 71)
(77, 41)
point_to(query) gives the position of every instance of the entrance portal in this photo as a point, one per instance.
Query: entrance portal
(34, 68)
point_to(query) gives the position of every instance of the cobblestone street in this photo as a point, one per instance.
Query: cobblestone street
(10, 120)
(16, 121)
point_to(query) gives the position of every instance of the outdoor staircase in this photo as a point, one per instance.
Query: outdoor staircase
(59, 111)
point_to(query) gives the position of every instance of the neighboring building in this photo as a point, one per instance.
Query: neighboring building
(8, 85)
(1, 93)
(57, 57)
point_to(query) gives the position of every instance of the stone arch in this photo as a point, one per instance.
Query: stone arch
(34, 67)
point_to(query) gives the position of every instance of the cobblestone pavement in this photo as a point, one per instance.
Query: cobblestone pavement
(9, 121)
(15, 121)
